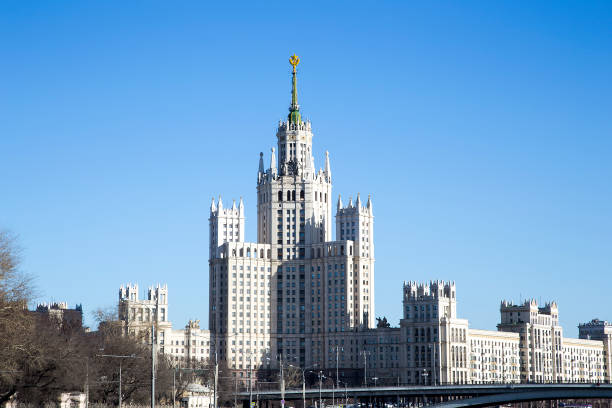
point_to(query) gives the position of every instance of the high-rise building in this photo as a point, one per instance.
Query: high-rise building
(300, 296)
(286, 293)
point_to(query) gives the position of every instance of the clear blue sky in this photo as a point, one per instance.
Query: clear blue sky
(481, 129)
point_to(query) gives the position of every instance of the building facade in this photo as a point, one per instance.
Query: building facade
(285, 295)
(60, 313)
(304, 296)
(529, 346)
(139, 317)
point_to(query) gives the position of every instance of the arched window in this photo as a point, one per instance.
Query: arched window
(248, 252)
(316, 196)
(288, 195)
(280, 196)
(269, 254)
(318, 252)
(301, 194)
(312, 252)
(325, 197)
(293, 195)
(261, 253)
(241, 252)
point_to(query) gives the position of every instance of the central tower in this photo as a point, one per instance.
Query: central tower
(294, 200)
(296, 290)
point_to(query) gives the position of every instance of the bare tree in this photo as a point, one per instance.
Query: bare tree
(293, 377)
(15, 322)
(42, 357)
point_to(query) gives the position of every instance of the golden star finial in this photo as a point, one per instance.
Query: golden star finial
(294, 60)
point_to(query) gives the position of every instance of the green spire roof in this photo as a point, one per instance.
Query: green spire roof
(294, 110)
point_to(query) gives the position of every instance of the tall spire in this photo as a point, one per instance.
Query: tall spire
(294, 110)
(327, 167)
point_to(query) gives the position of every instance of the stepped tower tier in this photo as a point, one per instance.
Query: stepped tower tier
(294, 201)
(295, 289)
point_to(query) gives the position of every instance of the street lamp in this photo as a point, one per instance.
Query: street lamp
(345, 393)
(365, 367)
(154, 315)
(120, 361)
(321, 376)
(374, 379)
(303, 382)
(282, 380)
(336, 383)
(425, 374)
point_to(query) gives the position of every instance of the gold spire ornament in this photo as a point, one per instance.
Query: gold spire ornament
(294, 60)
(294, 110)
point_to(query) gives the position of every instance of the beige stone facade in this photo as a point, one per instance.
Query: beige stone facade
(440, 348)
(297, 287)
(140, 316)
(494, 357)
(305, 297)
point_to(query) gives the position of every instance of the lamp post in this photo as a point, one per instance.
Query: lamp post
(87, 383)
(303, 381)
(120, 361)
(345, 392)
(154, 315)
(250, 380)
(425, 374)
(365, 367)
(216, 381)
(375, 379)
(337, 380)
(282, 383)
(320, 387)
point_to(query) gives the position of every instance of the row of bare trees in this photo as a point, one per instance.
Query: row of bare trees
(41, 357)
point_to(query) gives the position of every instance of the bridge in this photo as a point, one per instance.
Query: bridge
(443, 396)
